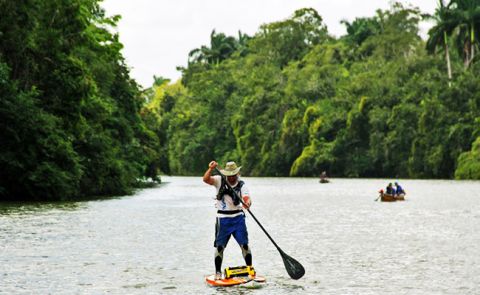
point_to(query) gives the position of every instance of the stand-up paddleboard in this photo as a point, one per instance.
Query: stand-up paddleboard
(233, 281)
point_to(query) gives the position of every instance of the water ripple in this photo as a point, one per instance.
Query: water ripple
(159, 241)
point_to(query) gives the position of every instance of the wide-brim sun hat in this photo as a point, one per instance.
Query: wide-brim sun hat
(231, 169)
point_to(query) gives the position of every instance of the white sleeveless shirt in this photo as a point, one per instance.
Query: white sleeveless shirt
(226, 204)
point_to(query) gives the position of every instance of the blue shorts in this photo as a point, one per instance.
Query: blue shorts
(230, 226)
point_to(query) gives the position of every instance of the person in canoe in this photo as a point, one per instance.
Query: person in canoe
(323, 177)
(390, 190)
(230, 216)
(399, 190)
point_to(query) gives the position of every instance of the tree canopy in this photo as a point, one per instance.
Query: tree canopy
(291, 100)
(377, 102)
(70, 124)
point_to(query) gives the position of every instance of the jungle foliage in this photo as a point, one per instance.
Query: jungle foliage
(70, 125)
(293, 100)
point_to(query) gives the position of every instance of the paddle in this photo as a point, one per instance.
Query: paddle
(294, 269)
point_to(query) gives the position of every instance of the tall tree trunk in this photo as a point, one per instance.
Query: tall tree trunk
(447, 57)
(466, 54)
(470, 47)
(472, 43)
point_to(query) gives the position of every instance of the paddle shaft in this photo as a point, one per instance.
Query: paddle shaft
(261, 226)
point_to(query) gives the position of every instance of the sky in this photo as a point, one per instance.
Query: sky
(158, 34)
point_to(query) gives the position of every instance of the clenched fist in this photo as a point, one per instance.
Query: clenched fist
(212, 165)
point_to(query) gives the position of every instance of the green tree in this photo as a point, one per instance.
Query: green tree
(438, 34)
(37, 158)
(67, 82)
(221, 48)
(372, 103)
(469, 163)
(361, 29)
(466, 16)
(288, 40)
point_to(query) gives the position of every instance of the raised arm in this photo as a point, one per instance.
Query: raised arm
(207, 177)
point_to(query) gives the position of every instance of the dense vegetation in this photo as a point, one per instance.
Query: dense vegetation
(70, 124)
(290, 100)
(293, 100)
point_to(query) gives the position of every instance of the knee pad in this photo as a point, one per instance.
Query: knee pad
(246, 250)
(247, 254)
(219, 251)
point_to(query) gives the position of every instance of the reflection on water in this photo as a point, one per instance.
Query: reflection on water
(160, 241)
(25, 208)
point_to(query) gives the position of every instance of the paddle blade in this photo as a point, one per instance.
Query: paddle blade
(294, 268)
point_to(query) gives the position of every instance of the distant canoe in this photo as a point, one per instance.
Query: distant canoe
(387, 198)
(391, 198)
(324, 180)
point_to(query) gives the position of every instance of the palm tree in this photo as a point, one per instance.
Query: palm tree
(438, 35)
(197, 55)
(242, 43)
(466, 15)
(221, 48)
(361, 29)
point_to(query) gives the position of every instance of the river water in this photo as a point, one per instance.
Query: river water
(160, 240)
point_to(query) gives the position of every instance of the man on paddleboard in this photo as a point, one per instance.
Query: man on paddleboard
(230, 216)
